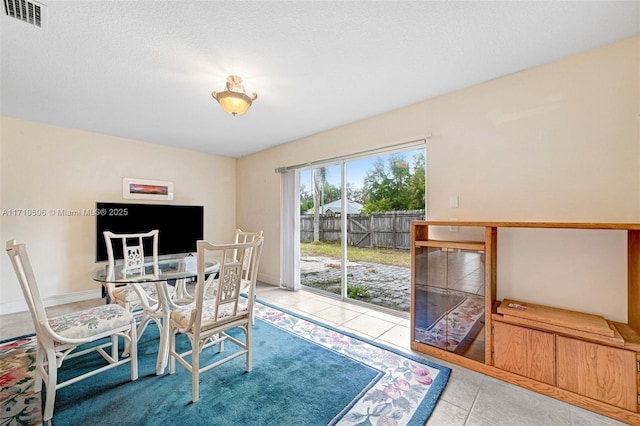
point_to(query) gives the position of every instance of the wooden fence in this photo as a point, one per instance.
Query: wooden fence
(380, 229)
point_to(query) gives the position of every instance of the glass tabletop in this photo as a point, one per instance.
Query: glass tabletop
(169, 268)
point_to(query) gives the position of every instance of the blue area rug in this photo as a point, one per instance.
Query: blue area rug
(304, 373)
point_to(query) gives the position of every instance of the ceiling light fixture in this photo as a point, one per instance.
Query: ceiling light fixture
(234, 100)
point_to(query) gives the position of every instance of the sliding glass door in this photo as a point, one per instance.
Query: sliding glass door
(321, 229)
(355, 225)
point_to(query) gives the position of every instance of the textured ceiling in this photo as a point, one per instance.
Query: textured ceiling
(145, 69)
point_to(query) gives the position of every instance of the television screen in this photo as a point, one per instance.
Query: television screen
(180, 227)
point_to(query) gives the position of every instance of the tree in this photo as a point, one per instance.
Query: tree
(319, 178)
(417, 183)
(327, 193)
(306, 200)
(355, 194)
(395, 186)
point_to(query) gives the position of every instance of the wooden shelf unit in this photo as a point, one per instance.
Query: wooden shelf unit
(537, 347)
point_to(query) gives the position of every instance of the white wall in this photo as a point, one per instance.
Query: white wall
(560, 142)
(48, 167)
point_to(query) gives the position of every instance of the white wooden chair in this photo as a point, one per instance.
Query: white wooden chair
(207, 319)
(246, 237)
(145, 294)
(59, 336)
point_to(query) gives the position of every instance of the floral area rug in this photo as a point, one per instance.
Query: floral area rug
(404, 392)
(19, 405)
(456, 328)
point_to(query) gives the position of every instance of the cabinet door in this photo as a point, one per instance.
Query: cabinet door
(527, 352)
(448, 311)
(599, 372)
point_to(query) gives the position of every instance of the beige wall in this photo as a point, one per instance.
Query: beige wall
(560, 142)
(47, 167)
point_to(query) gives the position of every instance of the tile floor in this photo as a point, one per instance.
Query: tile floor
(469, 399)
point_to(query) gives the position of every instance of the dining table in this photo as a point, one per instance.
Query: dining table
(177, 271)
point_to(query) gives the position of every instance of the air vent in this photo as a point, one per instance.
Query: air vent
(31, 12)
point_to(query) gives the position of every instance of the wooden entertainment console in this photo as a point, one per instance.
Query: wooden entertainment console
(580, 358)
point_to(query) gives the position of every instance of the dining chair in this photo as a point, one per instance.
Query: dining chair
(58, 337)
(207, 320)
(246, 237)
(145, 294)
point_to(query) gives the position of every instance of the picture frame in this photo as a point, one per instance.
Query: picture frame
(146, 189)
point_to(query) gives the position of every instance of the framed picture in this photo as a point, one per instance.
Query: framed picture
(145, 189)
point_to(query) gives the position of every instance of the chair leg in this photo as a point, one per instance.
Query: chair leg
(253, 313)
(114, 347)
(181, 292)
(165, 344)
(172, 349)
(127, 349)
(144, 322)
(133, 335)
(52, 381)
(248, 342)
(142, 326)
(195, 369)
(40, 360)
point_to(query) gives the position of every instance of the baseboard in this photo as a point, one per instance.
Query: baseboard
(268, 279)
(13, 307)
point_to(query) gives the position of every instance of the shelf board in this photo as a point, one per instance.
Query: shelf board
(560, 225)
(465, 245)
(579, 321)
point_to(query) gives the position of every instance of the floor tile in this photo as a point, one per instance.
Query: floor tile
(355, 307)
(310, 306)
(463, 386)
(582, 417)
(499, 403)
(337, 314)
(384, 316)
(446, 414)
(470, 398)
(398, 335)
(369, 325)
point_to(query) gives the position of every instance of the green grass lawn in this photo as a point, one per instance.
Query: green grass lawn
(358, 254)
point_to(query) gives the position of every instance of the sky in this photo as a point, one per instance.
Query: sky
(356, 170)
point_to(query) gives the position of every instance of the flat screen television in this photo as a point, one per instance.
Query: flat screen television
(180, 227)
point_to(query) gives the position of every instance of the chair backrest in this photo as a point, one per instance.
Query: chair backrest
(22, 266)
(133, 255)
(246, 237)
(226, 289)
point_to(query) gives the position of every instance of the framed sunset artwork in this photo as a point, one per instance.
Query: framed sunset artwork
(146, 189)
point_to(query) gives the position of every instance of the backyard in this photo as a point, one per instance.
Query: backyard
(383, 256)
(375, 275)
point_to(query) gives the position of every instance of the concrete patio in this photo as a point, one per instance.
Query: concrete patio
(384, 285)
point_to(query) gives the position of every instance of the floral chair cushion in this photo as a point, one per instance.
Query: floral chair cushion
(183, 316)
(91, 322)
(126, 294)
